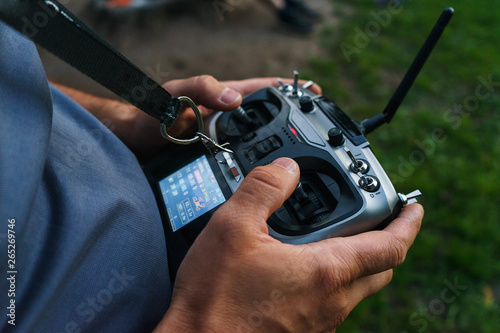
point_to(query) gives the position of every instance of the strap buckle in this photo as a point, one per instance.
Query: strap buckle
(210, 143)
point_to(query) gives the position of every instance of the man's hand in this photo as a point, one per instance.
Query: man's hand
(209, 94)
(141, 132)
(236, 278)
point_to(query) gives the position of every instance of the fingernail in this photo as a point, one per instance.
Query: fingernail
(229, 96)
(287, 163)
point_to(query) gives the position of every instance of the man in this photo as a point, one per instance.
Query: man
(90, 254)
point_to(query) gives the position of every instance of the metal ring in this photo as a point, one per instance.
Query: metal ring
(201, 126)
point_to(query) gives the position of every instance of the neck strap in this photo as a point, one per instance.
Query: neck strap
(52, 26)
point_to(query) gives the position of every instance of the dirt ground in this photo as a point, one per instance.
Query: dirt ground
(241, 39)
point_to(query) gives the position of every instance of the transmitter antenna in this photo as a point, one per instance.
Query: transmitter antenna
(368, 125)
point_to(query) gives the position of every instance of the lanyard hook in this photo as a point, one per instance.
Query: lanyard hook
(201, 126)
(210, 143)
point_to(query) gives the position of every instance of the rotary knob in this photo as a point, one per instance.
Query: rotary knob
(306, 104)
(336, 137)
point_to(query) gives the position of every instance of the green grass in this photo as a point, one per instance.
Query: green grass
(452, 157)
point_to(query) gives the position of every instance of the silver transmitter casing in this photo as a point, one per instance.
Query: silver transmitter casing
(284, 122)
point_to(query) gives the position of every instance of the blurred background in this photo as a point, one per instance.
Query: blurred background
(445, 140)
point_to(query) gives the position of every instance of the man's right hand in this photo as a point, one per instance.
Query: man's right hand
(237, 278)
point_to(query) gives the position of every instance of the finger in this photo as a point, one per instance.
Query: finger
(343, 298)
(207, 91)
(262, 192)
(248, 86)
(375, 251)
(365, 287)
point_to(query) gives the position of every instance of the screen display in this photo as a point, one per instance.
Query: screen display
(190, 192)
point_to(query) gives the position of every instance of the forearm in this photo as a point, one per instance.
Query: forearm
(124, 120)
(117, 116)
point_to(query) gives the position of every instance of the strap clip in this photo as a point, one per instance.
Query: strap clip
(209, 143)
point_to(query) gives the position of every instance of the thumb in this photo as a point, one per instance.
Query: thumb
(207, 91)
(262, 192)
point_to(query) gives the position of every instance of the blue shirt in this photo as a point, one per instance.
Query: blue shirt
(90, 253)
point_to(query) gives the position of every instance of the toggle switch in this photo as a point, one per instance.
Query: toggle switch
(357, 165)
(349, 153)
(263, 148)
(368, 183)
(360, 166)
(308, 84)
(296, 84)
(409, 198)
(232, 166)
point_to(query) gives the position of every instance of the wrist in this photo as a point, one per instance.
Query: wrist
(179, 320)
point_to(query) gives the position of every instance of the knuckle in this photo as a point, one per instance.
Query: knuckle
(387, 277)
(324, 277)
(225, 230)
(328, 278)
(263, 174)
(204, 80)
(339, 309)
(398, 251)
(267, 181)
(340, 317)
(351, 263)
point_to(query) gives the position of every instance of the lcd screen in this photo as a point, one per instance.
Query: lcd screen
(190, 192)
